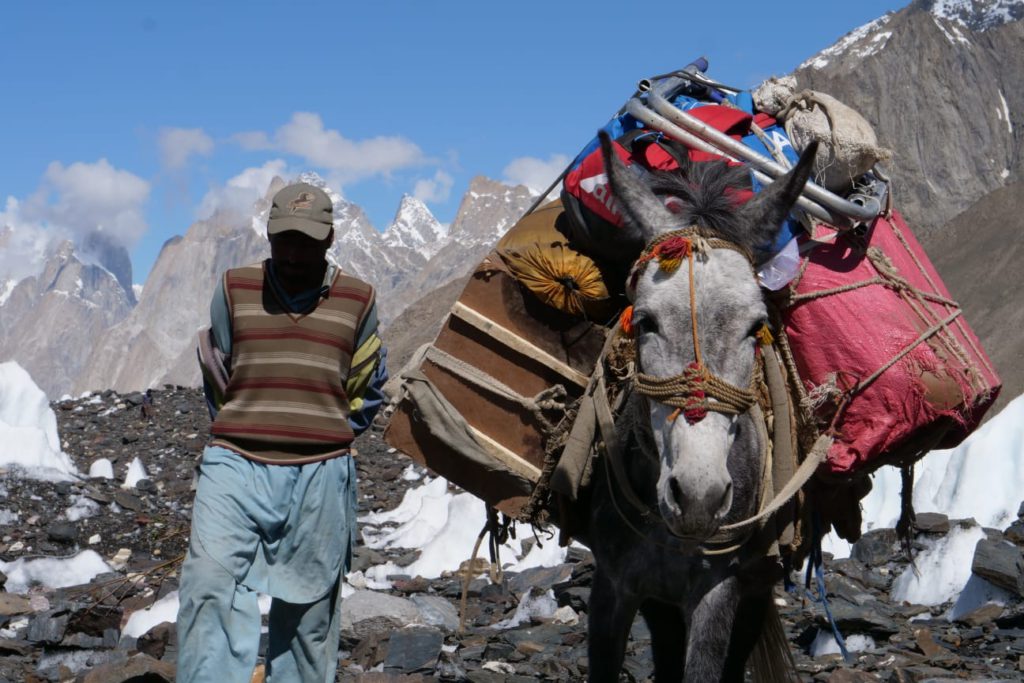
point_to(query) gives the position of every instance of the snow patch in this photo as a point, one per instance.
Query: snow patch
(1005, 113)
(444, 526)
(977, 593)
(28, 429)
(530, 607)
(81, 508)
(978, 15)
(825, 644)
(936, 579)
(163, 610)
(101, 468)
(952, 33)
(53, 572)
(852, 42)
(136, 472)
(5, 290)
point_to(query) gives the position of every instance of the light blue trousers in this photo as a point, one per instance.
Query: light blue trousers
(284, 530)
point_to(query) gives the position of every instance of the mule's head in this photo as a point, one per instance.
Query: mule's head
(685, 337)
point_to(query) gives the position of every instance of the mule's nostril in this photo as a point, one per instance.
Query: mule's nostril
(677, 492)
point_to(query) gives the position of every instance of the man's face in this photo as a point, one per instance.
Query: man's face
(298, 257)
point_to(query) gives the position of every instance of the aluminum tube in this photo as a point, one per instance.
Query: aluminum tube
(652, 119)
(722, 141)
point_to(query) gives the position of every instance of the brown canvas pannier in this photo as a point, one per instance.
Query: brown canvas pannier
(497, 379)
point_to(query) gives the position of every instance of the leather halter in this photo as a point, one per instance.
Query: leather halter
(690, 391)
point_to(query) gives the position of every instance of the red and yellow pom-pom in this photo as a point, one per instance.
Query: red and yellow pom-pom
(764, 336)
(675, 248)
(626, 321)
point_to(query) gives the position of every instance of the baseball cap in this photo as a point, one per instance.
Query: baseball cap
(301, 207)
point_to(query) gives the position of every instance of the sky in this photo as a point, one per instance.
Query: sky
(144, 117)
(982, 478)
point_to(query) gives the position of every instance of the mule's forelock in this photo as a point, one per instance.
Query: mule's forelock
(709, 197)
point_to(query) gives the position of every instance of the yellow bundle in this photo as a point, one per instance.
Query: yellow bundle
(539, 256)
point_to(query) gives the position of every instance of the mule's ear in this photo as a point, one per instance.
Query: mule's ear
(642, 210)
(763, 215)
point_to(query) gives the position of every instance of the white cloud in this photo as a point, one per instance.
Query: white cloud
(22, 244)
(71, 202)
(96, 196)
(305, 136)
(436, 189)
(178, 144)
(240, 192)
(535, 173)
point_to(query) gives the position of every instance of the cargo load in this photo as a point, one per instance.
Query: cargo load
(878, 355)
(485, 397)
(885, 358)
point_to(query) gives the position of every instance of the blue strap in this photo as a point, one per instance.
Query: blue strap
(815, 562)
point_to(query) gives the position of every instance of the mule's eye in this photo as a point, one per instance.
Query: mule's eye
(644, 323)
(756, 328)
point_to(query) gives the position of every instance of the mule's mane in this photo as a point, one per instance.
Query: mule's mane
(711, 194)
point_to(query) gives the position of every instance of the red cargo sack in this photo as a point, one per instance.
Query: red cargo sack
(885, 357)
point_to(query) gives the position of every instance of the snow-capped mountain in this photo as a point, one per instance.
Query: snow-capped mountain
(942, 82)
(415, 228)
(155, 343)
(977, 15)
(51, 322)
(487, 211)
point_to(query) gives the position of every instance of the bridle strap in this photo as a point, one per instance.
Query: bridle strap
(689, 391)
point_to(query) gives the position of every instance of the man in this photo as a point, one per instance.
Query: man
(275, 501)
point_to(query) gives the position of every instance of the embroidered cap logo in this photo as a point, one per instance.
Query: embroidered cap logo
(303, 201)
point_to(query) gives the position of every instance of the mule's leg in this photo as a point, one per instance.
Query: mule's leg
(747, 627)
(609, 617)
(708, 631)
(668, 639)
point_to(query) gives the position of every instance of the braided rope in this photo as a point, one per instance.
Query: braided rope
(690, 390)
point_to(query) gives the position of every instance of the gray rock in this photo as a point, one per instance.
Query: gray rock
(1001, 563)
(876, 547)
(450, 667)
(367, 612)
(436, 611)
(363, 558)
(871, 618)
(141, 667)
(849, 590)
(62, 532)
(542, 577)
(129, 501)
(413, 649)
(47, 629)
(932, 523)
(1015, 532)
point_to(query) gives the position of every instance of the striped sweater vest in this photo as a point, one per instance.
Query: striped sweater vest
(285, 402)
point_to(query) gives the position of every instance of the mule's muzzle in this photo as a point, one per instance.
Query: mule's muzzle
(696, 514)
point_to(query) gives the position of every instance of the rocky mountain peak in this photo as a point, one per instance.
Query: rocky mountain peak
(98, 246)
(976, 15)
(415, 227)
(488, 209)
(941, 83)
